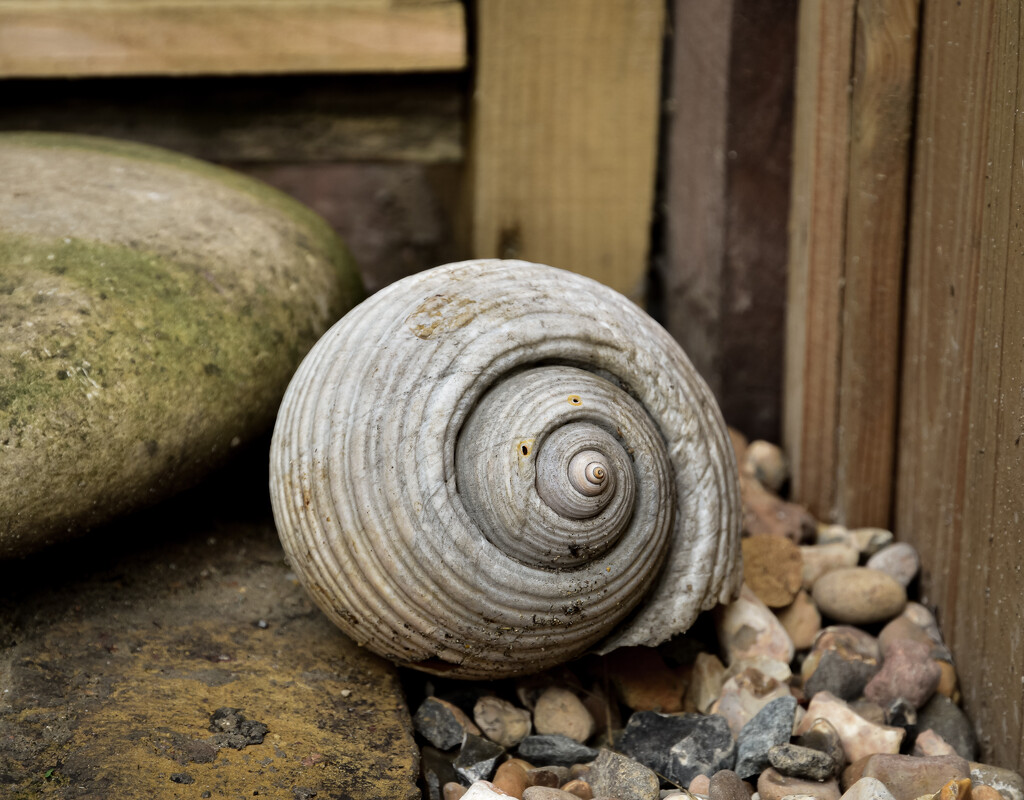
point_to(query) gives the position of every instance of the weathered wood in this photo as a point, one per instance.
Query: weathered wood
(41, 38)
(408, 117)
(881, 113)
(961, 469)
(564, 134)
(817, 225)
(723, 284)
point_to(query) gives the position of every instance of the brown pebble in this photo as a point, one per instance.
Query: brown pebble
(579, 788)
(453, 790)
(948, 684)
(511, 778)
(908, 777)
(559, 711)
(907, 672)
(801, 619)
(727, 785)
(526, 765)
(501, 721)
(699, 785)
(980, 791)
(644, 681)
(767, 514)
(929, 743)
(772, 785)
(772, 568)
(955, 790)
(859, 596)
(550, 776)
(579, 771)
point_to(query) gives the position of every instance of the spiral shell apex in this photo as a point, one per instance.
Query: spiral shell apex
(492, 467)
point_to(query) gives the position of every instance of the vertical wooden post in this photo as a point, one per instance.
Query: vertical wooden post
(961, 444)
(847, 233)
(816, 243)
(563, 145)
(727, 167)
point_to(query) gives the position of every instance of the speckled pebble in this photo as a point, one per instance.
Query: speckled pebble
(1008, 783)
(802, 762)
(907, 672)
(772, 785)
(559, 711)
(615, 775)
(727, 785)
(772, 568)
(500, 721)
(772, 725)
(747, 628)
(547, 793)
(859, 596)
(900, 560)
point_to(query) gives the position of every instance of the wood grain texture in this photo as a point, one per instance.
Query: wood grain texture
(884, 77)
(729, 137)
(564, 135)
(817, 224)
(40, 38)
(308, 118)
(960, 466)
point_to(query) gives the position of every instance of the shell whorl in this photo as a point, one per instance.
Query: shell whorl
(484, 468)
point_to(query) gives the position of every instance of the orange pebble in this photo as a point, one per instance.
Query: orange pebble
(453, 791)
(579, 788)
(511, 778)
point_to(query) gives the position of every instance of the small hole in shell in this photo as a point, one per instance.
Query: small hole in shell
(524, 448)
(574, 399)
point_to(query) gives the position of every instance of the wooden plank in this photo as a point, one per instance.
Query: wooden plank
(40, 38)
(564, 134)
(817, 225)
(723, 280)
(962, 415)
(408, 117)
(882, 111)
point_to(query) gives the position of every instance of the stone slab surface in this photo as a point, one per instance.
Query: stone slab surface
(115, 652)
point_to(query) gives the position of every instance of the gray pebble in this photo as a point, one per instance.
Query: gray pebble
(554, 749)
(772, 725)
(1007, 782)
(707, 749)
(900, 560)
(802, 762)
(440, 723)
(478, 758)
(823, 736)
(615, 775)
(944, 717)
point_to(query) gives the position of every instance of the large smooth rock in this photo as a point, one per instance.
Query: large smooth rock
(152, 310)
(170, 657)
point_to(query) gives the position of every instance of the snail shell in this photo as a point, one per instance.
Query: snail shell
(485, 468)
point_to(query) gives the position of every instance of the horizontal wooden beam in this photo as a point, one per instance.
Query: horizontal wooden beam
(282, 118)
(75, 38)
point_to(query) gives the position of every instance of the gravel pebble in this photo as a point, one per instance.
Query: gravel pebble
(706, 681)
(801, 619)
(907, 672)
(859, 596)
(766, 463)
(706, 749)
(554, 749)
(868, 789)
(802, 762)
(547, 793)
(1008, 783)
(500, 721)
(859, 736)
(900, 560)
(929, 743)
(559, 711)
(821, 559)
(727, 785)
(747, 628)
(772, 568)
(580, 788)
(949, 721)
(774, 786)
(908, 777)
(615, 775)
(511, 778)
(477, 758)
(821, 735)
(442, 724)
(745, 694)
(772, 725)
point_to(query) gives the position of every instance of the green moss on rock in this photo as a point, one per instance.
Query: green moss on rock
(152, 311)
